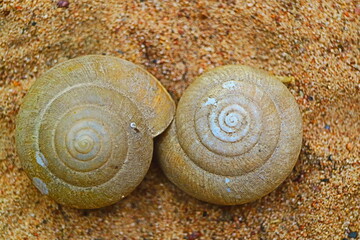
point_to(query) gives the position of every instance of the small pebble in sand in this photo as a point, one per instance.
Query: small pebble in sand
(349, 146)
(352, 234)
(357, 11)
(63, 4)
(193, 236)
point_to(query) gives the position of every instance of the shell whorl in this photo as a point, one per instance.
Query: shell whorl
(82, 139)
(235, 128)
(232, 120)
(85, 129)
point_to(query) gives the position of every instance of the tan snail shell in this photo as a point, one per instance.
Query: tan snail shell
(85, 129)
(236, 136)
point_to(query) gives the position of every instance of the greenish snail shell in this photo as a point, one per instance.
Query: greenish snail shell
(85, 130)
(236, 136)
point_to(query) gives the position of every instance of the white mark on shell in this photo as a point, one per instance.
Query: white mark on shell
(133, 125)
(227, 180)
(210, 101)
(41, 160)
(228, 190)
(262, 176)
(229, 85)
(39, 184)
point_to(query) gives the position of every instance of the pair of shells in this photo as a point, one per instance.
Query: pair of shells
(85, 133)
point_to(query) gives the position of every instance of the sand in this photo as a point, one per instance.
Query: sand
(316, 42)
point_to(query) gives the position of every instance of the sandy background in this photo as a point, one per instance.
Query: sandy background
(317, 42)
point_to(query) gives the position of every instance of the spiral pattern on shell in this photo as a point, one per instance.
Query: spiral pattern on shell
(83, 142)
(91, 126)
(236, 128)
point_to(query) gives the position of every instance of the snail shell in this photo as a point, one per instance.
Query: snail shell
(236, 136)
(85, 129)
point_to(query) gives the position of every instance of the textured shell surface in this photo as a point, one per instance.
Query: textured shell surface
(85, 129)
(236, 136)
